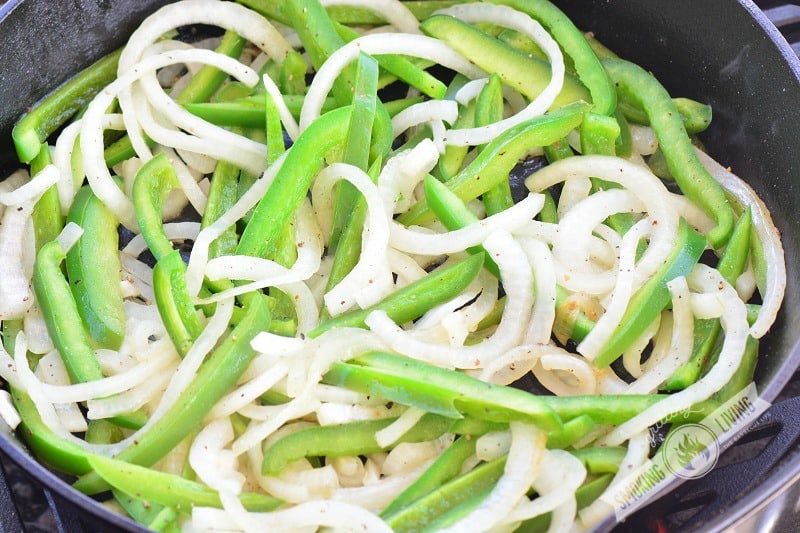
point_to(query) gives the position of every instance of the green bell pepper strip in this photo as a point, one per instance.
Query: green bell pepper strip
(151, 186)
(445, 392)
(573, 42)
(153, 182)
(616, 409)
(636, 84)
(47, 219)
(173, 302)
(599, 134)
(549, 212)
(696, 116)
(168, 489)
(422, 514)
(200, 88)
(152, 515)
(61, 314)
(292, 77)
(320, 40)
(492, 165)
(215, 378)
(525, 74)
(454, 214)
(573, 430)
(222, 195)
(403, 69)
(65, 326)
(413, 300)
(51, 449)
(446, 467)
(56, 109)
(653, 296)
(731, 265)
(290, 186)
(247, 112)
(488, 110)
(94, 270)
(558, 150)
(273, 130)
(359, 135)
(353, 438)
(601, 460)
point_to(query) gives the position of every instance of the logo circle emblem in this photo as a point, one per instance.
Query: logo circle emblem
(690, 451)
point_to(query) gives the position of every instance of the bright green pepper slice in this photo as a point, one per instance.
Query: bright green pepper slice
(415, 299)
(653, 296)
(95, 271)
(351, 439)
(446, 392)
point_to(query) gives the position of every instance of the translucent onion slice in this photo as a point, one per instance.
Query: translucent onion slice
(518, 283)
(384, 43)
(639, 181)
(415, 242)
(392, 11)
(560, 476)
(734, 323)
(91, 135)
(682, 340)
(370, 280)
(605, 326)
(32, 189)
(772, 294)
(516, 20)
(521, 470)
(228, 15)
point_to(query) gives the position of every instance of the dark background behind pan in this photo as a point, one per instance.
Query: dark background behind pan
(723, 52)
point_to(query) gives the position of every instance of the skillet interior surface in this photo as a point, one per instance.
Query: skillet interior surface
(722, 52)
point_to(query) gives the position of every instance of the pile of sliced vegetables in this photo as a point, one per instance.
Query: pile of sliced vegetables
(278, 278)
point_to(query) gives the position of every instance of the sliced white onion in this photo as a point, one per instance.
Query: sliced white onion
(624, 289)
(405, 44)
(33, 189)
(415, 242)
(772, 294)
(521, 22)
(392, 11)
(521, 470)
(682, 340)
(91, 134)
(734, 323)
(518, 283)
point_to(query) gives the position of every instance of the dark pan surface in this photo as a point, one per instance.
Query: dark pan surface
(723, 52)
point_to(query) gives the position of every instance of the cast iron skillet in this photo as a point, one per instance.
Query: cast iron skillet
(724, 52)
